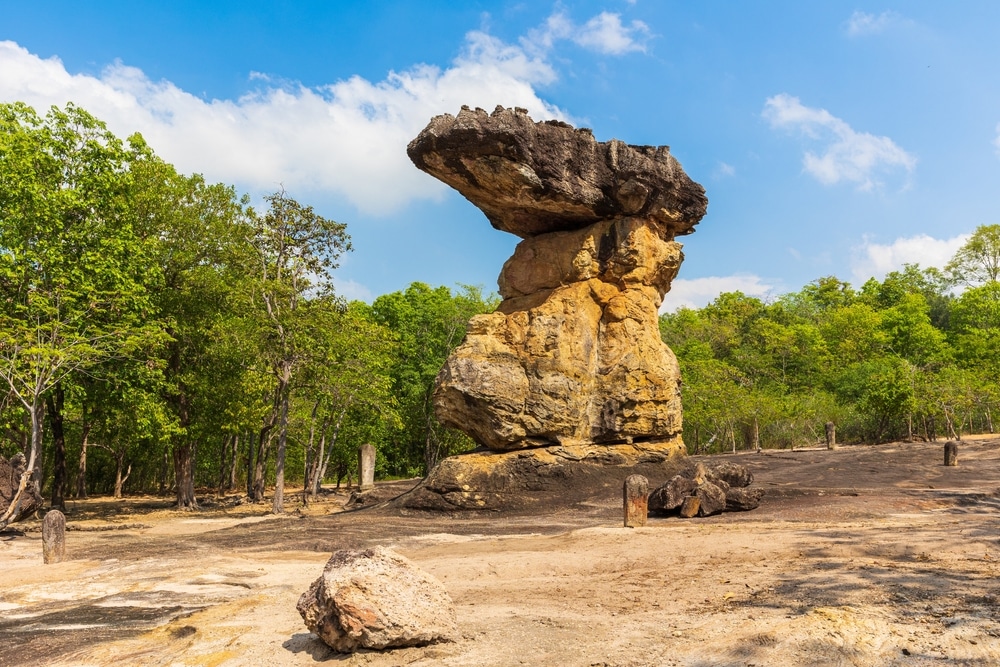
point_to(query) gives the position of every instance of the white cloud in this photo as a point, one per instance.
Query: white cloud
(848, 155)
(349, 137)
(723, 170)
(698, 292)
(353, 290)
(604, 33)
(996, 142)
(862, 23)
(875, 260)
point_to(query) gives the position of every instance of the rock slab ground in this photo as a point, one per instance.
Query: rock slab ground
(854, 556)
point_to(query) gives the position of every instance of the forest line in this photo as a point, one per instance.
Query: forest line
(160, 335)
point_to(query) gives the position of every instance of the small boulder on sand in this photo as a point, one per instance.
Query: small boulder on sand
(376, 599)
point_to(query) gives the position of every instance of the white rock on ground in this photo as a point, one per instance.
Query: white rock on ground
(376, 599)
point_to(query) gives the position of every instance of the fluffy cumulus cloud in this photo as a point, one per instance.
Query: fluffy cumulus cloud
(349, 137)
(604, 33)
(698, 292)
(861, 23)
(874, 260)
(847, 155)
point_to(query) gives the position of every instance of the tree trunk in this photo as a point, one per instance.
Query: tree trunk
(235, 445)
(164, 471)
(950, 425)
(321, 475)
(263, 445)
(250, 466)
(56, 401)
(34, 456)
(81, 469)
(432, 448)
(184, 471)
(278, 504)
(220, 487)
(119, 479)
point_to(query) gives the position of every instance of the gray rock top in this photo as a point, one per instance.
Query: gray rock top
(533, 178)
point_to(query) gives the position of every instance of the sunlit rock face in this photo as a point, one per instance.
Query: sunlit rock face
(572, 356)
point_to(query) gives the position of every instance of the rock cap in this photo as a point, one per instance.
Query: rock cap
(533, 178)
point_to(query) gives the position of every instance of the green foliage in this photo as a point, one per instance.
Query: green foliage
(428, 324)
(978, 261)
(901, 359)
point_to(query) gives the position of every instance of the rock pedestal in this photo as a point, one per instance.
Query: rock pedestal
(573, 354)
(572, 357)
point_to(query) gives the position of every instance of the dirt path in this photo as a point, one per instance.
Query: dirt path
(859, 556)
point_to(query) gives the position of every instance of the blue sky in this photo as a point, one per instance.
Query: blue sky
(834, 138)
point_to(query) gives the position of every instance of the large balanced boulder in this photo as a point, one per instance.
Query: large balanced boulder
(534, 178)
(376, 599)
(572, 356)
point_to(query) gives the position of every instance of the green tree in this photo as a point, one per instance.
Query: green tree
(199, 233)
(73, 270)
(978, 261)
(297, 250)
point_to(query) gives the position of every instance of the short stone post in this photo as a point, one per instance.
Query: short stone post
(54, 537)
(636, 498)
(366, 466)
(951, 453)
(831, 435)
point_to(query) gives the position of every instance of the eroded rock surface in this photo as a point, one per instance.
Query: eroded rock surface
(532, 178)
(10, 479)
(376, 599)
(722, 487)
(573, 355)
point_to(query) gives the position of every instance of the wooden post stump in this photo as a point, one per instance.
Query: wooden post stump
(636, 498)
(54, 537)
(366, 466)
(831, 435)
(951, 453)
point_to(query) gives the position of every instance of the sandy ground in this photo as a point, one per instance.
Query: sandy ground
(859, 556)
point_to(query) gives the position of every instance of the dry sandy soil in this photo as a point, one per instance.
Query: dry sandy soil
(859, 556)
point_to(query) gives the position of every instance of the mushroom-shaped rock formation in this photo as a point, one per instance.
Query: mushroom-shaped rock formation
(573, 356)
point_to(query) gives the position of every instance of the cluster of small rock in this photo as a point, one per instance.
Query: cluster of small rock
(702, 491)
